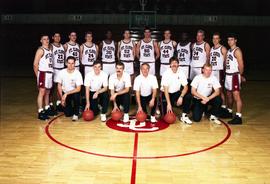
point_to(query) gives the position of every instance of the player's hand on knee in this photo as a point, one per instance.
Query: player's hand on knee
(95, 96)
(152, 103)
(179, 101)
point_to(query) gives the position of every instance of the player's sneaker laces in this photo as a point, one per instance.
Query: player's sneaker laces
(236, 120)
(43, 116)
(185, 119)
(214, 119)
(75, 118)
(103, 117)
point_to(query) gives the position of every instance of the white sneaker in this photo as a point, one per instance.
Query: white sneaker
(185, 119)
(126, 118)
(153, 119)
(214, 119)
(103, 117)
(75, 118)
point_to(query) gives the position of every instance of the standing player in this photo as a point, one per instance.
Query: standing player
(147, 51)
(43, 68)
(146, 86)
(233, 78)
(72, 49)
(107, 52)
(96, 89)
(119, 85)
(58, 64)
(88, 53)
(166, 47)
(184, 54)
(200, 54)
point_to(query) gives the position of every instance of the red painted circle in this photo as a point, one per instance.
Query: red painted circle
(127, 127)
(47, 130)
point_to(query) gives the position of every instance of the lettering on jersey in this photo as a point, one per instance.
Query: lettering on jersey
(181, 54)
(49, 57)
(166, 51)
(91, 54)
(229, 58)
(214, 56)
(109, 50)
(74, 52)
(60, 55)
(126, 50)
(146, 50)
(196, 50)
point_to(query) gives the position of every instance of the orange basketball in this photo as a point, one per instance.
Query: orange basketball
(88, 115)
(141, 116)
(170, 118)
(117, 115)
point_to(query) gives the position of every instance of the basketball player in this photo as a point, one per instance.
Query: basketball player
(233, 78)
(205, 89)
(72, 49)
(146, 86)
(43, 68)
(166, 47)
(58, 64)
(119, 85)
(183, 50)
(172, 81)
(96, 89)
(147, 51)
(88, 52)
(107, 53)
(69, 86)
(200, 54)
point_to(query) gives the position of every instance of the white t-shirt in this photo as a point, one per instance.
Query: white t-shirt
(145, 84)
(173, 81)
(205, 85)
(96, 82)
(118, 85)
(68, 80)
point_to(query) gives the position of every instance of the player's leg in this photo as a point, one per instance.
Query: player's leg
(76, 101)
(68, 110)
(215, 110)
(104, 99)
(198, 109)
(93, 103)
(238, 116)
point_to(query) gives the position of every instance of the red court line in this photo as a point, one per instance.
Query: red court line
(134, 161)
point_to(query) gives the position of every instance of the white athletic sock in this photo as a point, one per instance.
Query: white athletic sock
(223, 106)
(39, 110)
(239, 114)
(230, 110)
(184, 114)
(58, 102)
(51, 104)
(47, 107)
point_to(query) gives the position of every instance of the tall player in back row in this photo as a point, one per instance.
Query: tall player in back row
(147, 51)
(72, 48)
(200, 54)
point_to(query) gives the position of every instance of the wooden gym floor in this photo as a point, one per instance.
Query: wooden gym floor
(60, 151)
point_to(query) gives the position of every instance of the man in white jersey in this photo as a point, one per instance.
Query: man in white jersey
(147, 51)
(200, 54)
(233, 78)
(107, 53)
(43, 68)
(184, 54)
(166, 47)
(174, 89)
(58, 64)
(119, 85)
(96, 90)
(73, 49)
(69, 86)
(145, 86)
(88, 53)
(205, 89)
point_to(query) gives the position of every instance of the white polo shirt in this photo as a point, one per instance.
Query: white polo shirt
(145, 84)
(96, 82)
(119, 84)
(173, 81)
(68, 80)
(205, 85)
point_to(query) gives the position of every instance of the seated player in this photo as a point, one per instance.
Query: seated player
(96, 90)
(206, 91)
(69, 86)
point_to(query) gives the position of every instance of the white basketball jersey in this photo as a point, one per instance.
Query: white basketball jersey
(147, 53)
(183, 54)
(126, 51)
(108, 52)
(166, 51)
(231, 63)
(73, 50)
(58, 56)
(198, 55)
(216, 58)
(89, 55)
(46, 61)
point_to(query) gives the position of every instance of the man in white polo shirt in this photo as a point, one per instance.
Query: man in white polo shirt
(69, 86)
(119, 85)
(96, 89)
(172, 82)
(206, 91)
(146, 86)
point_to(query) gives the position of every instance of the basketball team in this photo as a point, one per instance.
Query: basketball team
(195, 77)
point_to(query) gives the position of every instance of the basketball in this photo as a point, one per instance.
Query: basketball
(117, 115)
(170, 118)
(88, 115)
(141, 116)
